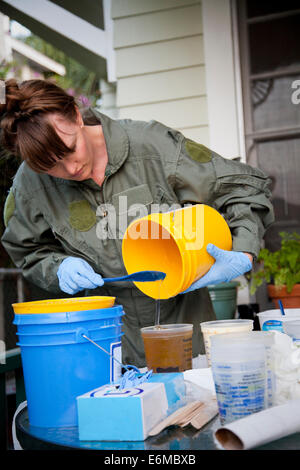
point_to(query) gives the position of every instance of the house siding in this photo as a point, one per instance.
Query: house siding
(160, 67)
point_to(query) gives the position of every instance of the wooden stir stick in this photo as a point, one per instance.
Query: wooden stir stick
(174, 417)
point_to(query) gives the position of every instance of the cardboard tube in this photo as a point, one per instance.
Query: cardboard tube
(260, 428)
(229, 440)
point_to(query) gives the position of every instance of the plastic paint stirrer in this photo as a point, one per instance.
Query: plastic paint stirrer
(281, 307)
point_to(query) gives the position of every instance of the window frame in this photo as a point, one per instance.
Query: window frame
(252, 136)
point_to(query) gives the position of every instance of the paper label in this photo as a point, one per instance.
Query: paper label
(240, 389)
(272, 325)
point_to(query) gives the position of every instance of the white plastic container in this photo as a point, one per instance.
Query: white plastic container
(267, 339)
(292, 328)
(273, 319)
(239, 370)
(217, 327)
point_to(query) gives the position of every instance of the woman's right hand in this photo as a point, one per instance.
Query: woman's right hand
(75, 274)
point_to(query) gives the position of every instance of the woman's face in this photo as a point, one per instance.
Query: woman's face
(78, 165)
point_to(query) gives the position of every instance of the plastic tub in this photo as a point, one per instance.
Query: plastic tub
(59, 363)
(168, 348)
(240, 375)
(211, 328)
(267, 339)
(64, 305)
(292, 328)
(273, 319)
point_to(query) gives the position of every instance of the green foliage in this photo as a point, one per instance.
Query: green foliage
(8, 168)
(8, 163)
(78, 81)
(4, 68)
(83, 84)
(281, 267)
(8, 68)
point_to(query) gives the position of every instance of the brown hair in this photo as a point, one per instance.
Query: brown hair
(26, 131)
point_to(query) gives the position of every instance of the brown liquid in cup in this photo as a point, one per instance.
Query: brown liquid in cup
(168, 351)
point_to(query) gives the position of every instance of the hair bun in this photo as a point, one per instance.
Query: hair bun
(18, 115)
(10, 113)
(12, 98)
(25, 129)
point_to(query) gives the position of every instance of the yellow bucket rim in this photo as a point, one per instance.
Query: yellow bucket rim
(63, 305)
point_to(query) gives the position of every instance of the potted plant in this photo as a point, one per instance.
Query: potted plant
(281, 270)
(224, 299)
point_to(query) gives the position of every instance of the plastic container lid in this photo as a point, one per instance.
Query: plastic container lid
(64, 305)
(275, 315)
(265, 337)
(167, 330)
(225, 323)
(289, 312)
(237, 351)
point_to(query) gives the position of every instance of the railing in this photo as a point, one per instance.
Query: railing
(8, 272)
(10, 360)
(10, 292)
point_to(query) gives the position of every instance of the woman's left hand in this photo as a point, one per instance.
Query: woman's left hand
(228, 266)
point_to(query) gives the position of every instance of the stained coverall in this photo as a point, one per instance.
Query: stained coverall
(48, 219)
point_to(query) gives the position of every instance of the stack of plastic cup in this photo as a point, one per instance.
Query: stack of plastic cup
(267, 339)
(292, 328)
(239, 369)
(274, 320)
(211, 328)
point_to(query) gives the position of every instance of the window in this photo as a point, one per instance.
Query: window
(269, 37)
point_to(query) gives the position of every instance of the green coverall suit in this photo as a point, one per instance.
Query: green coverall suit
(48, 219)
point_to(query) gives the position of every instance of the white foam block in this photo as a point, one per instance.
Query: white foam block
(109, 414)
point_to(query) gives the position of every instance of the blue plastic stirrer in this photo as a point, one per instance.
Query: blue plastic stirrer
(140, 276)
(281, 307)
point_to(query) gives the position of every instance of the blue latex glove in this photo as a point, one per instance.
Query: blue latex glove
(228, 266)
(75, 274)
(132, 378)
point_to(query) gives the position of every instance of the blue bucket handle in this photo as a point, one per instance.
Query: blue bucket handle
(79, 335)
(83, 333)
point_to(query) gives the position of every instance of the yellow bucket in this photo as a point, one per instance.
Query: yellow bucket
(174, 242)
(64, 305)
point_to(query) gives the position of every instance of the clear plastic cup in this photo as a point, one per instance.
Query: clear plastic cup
(217, 327)
(239, 369)
(168, 348)
(292, 328)
(267, 339)
(270, 320)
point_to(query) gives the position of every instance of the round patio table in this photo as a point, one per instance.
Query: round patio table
(172, 439)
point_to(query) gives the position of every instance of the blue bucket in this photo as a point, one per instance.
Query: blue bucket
(59, 363)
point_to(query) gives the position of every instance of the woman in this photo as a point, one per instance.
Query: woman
(58, 227)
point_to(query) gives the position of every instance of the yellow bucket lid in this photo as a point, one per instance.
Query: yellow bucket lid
(64, 305)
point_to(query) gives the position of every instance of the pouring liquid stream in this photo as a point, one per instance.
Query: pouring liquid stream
(157, 306)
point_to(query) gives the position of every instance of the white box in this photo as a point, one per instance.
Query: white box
(109, 414)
